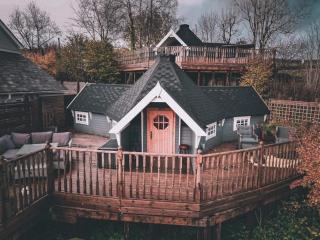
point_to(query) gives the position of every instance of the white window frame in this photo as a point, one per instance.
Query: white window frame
(243, 118)
(211, 130)
(84, 121)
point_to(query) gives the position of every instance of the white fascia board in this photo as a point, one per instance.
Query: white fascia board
(171, 33)
(155, 93)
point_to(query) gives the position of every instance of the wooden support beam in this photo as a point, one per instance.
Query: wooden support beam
(218, 231)
(126, 230)
(204, 233)
(199, 78)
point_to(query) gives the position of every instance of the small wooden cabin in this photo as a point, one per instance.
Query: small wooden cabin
(165, 109)
(23, 83)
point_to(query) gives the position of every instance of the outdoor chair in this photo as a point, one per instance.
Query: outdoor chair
(62, 139)
(247, 137)
(284, 134)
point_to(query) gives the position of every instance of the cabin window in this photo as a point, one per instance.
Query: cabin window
(211, 130)
(241, 121)
(82, 118)
(161, 122)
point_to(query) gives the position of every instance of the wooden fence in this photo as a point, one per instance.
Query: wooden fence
(121, 182)
(203, 55)
(15, 116)
(178, 177)
(294, 112)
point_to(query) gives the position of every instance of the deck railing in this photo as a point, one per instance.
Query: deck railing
(175, 180)
(134, 175)
(176, 177)
(24, 181)
(194, 55)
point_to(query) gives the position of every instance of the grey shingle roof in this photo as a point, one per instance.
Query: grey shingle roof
(97, 98)
(18, 74)
(237, 101)
(177, 84)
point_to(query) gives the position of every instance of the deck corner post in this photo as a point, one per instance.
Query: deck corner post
(199, 159)
(120, 164)
(50, 170)
(3, 190)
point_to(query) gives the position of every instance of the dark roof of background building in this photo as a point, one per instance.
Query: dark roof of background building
(97, 97)
(8, 40)
(191, 39)
(187, 36)
(20, 75)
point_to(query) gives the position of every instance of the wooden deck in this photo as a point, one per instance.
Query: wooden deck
(190, 190)
(194, 58)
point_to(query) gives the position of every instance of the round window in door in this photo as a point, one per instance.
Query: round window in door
(161, 122)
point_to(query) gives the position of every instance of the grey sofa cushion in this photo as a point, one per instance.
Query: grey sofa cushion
(20, 139)
(3, 145)
(249, 140)
(41, 137)
(10, 143)
(62, 138)
(10, 154)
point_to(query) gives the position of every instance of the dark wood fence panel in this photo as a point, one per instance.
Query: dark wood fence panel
(15, 117)
(294, 112)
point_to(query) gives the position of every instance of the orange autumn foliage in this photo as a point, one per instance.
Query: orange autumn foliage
(45, 61)
(309, 154)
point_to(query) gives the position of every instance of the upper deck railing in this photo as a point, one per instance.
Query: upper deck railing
(191, 57)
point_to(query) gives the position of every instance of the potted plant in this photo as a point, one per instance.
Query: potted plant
(268, 132)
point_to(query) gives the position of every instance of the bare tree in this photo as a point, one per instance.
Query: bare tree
(268, 18)
(148, 20)
(228, 25)
(100, 19)
(312, 55)
(208, 26)
(33, 26)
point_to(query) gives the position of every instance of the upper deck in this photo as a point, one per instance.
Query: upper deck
(190, 58)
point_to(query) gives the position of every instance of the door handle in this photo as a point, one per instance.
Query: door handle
(150, 134)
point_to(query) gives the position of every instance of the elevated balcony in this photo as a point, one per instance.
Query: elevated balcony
(222, 58)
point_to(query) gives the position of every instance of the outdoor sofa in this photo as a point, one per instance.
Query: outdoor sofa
(19, 144)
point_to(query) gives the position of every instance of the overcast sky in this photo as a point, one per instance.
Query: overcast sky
(61, 10)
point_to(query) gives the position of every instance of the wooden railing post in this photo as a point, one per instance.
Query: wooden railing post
(120, 164)
(3, 191)
(50, 170)
(199, 190)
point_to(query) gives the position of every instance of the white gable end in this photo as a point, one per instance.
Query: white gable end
(158, 94)
(171, 33)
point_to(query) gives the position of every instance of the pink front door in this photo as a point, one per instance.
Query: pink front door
(160, 131)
